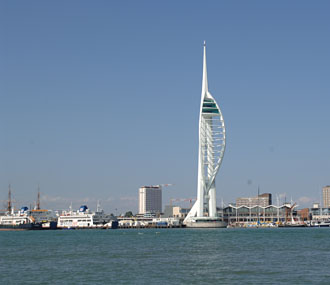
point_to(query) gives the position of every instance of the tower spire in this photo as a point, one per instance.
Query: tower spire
(205, 83)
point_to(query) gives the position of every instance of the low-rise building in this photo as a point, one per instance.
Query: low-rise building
(175, 212)
(268, 214)
(303, 214)
(262, 200)
(179, 212)
(320, 214)
(168, 211)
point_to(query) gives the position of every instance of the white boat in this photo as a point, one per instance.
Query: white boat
(83, 218)
(21, 220)
(322, 224)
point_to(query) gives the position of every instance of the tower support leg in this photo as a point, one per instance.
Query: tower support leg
(212, 201)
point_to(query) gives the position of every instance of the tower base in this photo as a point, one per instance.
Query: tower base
(205, 222)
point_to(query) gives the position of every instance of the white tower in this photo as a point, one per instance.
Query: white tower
(212, 143)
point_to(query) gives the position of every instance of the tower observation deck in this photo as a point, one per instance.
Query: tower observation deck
(211, 149)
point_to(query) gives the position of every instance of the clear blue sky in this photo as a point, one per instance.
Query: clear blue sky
(98, 98)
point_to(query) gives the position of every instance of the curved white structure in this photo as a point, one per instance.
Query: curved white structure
(212, 143)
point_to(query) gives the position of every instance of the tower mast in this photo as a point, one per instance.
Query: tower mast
(211, 148)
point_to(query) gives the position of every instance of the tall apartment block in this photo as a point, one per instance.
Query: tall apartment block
(150, 199)
(326, 196)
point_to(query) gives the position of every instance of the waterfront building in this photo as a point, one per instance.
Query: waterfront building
(304, 214)
(150, 199)
(168, 211)
(326, 196)
(166, 222)
(211, 149)
(320, 214)
(175, 211)
(262, 200)
(148, 220)
(179, 212)
(268, 198)
(316, 205)
(147, 215)
(257, 214)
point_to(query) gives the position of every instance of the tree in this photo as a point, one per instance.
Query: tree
(129, 214)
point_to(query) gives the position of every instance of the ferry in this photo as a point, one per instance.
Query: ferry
(21, 220)
(47, 218)
(83, 219)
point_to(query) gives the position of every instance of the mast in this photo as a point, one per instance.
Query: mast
(98, 206)
(258, 207)
(38, 198)
(278, 209)
(9, 205)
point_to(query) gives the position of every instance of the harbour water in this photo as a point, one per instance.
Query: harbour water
(166, 256)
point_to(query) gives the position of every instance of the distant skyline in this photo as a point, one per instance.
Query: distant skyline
(100, 98)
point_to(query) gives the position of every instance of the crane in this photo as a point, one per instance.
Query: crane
(182, 200)
(162, 185)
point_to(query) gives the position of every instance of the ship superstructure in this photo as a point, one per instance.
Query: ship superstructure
(20, 220)
(84, 218)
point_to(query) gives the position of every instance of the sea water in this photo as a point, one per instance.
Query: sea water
(166, 256)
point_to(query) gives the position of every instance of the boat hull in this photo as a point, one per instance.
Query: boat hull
(205, 223)
(21, 227)
(293, 226)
